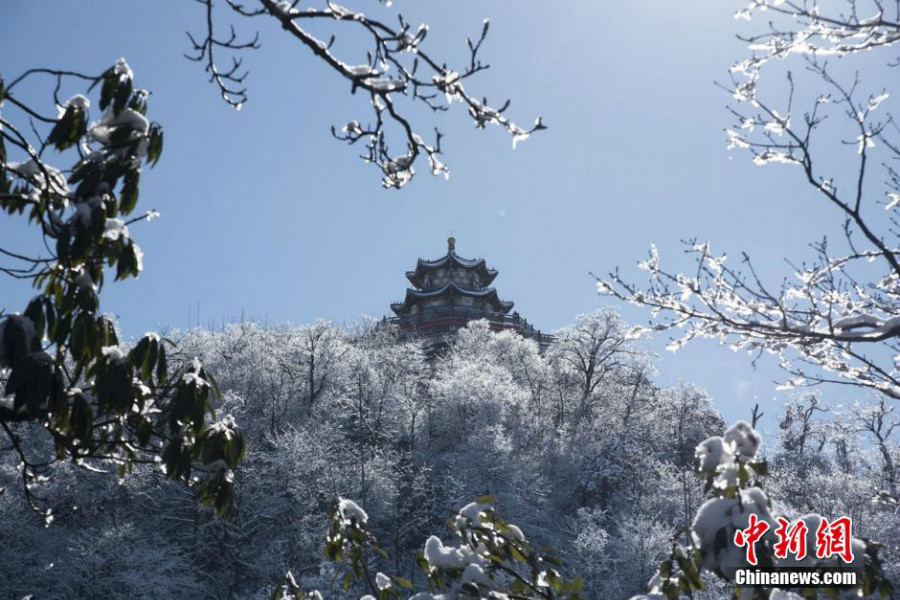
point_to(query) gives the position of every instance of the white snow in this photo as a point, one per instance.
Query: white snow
(34, 174)
(194, 378)
(711, 453)
(139, 256)
(848, 327)
(442, 557)
(81, 217)
(115, 229)
(385, 85)
(743, 439)
(782, 595)
(122, 69)
(519, 135)
(474, 573)
(284, 6)
(340, 12)
(78, 101)
(516, 533)
(470, 514)
(360, 70)
(83, 280)
(729, 514)
(874, 102)
(351, 510)
(113, 354)
(382, 581)
(103, 129)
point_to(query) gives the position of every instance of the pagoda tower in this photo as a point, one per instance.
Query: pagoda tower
(449, 292)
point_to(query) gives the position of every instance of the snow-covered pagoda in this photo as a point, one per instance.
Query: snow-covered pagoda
(449, 292)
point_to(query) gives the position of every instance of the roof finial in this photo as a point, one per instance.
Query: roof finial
(451, 245)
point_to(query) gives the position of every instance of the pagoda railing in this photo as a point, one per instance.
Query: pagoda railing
(438, 321)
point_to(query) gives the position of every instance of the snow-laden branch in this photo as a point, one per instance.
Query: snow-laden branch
(822, 316)
(836, 319)
(734, 474)
(396, 67)
(810, 27)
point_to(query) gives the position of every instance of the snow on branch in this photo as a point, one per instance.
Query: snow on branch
(837, 318)
(62, 367)
(811, 29)
(737, 501)
(489, 558)
(820, 317)
(397, 67)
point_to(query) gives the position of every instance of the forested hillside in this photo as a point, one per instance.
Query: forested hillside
(579, 447)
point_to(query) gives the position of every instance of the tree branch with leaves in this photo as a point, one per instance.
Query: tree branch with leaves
(490, 559)
(72, 390)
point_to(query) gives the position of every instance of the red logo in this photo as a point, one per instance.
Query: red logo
(833, 538)
(791, 539)
(748, 537)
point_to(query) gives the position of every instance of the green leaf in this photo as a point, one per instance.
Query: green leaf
(162, 366)
(123, 94)
(68, 129)
(35, 385)
(761, 468)
(109, 88)
(672, 592)
(155, 147)
(514, 552)
(113, 386)
(35, 313)
(128, 264)
(665, 569)
(128, 197)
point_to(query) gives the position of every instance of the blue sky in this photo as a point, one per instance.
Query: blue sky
(263, 212)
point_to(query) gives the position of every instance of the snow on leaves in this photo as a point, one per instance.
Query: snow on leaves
(103, 404)
(736, 529)
(488, 559)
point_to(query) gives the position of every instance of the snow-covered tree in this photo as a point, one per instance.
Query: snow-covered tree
(734, 474)
(836, 318)
(489, 558)
(71, 390)
(598, 349)
(408, 436)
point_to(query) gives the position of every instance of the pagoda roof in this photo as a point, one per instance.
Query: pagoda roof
(451, 289)
(451, 258)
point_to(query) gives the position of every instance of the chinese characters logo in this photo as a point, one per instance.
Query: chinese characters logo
(833, 538)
